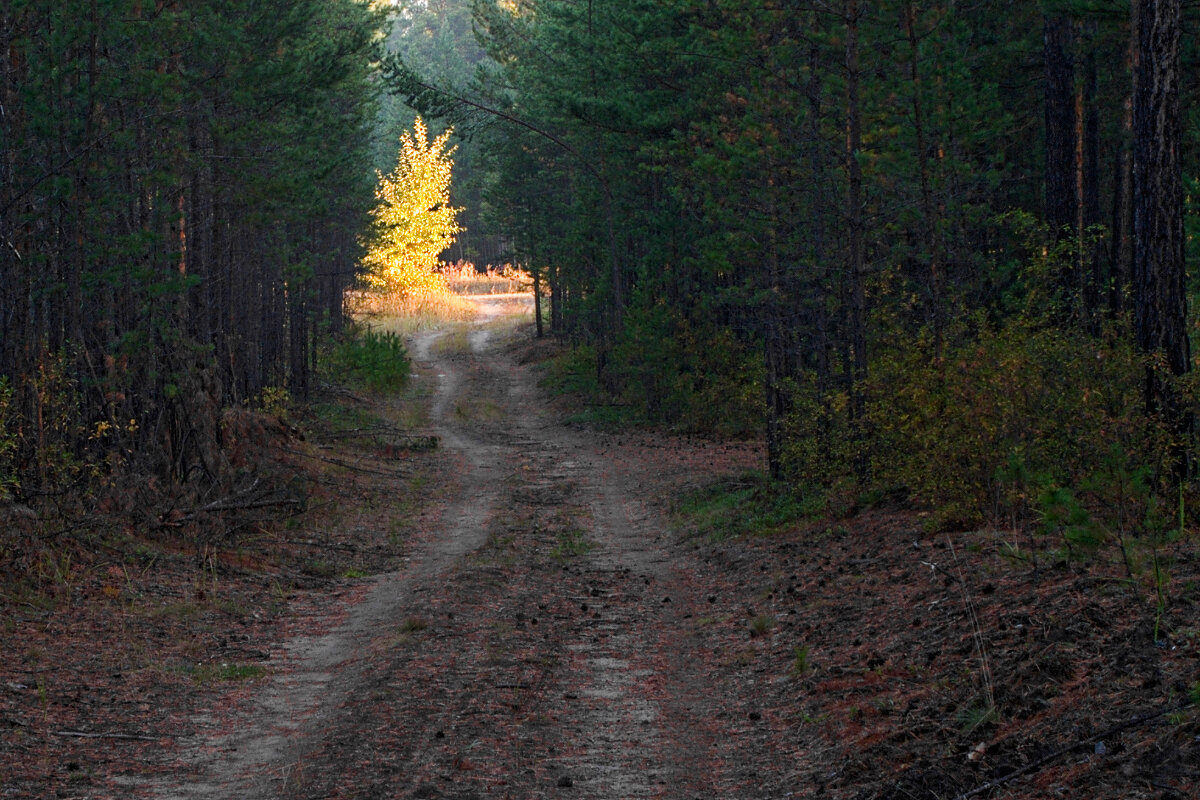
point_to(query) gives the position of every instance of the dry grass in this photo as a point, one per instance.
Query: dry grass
(411, 313)
(464, 279)
(454, 342)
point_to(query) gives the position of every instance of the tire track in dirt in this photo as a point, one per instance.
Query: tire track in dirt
(644, 733)
(641, 721)
(265, 756)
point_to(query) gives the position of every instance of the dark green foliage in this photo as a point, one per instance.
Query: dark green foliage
(181, 187)
(686, 375)
(574, 373)
(372, 359)
(825, 221)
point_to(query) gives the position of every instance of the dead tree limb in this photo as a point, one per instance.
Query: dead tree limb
(86, 735)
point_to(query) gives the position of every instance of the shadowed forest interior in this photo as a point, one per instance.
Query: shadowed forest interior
(929, 250)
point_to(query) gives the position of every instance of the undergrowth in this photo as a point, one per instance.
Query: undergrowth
(338, 417)
(573, 374)
(406, 314)
(692, 382)
(371, 359)
(9, 441)
(465, 279)
(748, 505)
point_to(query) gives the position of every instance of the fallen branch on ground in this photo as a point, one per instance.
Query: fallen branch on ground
(338, 462)
(86, 735)
(221, 505)
(396, 438)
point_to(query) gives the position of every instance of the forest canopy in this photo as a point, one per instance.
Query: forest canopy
(182, 188)
(930, 250)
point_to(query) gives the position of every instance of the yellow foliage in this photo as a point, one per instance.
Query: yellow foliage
(414, 220)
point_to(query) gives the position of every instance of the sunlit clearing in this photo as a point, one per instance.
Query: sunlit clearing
(466, 279)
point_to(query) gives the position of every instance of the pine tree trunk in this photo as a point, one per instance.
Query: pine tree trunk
(856, 255)
(1159, 274)
(817, 164)
(776, 353)
(537, 300)
(928, 239)
(1091, 262)
(1121, 247)
(556, 305)
(1061, 198)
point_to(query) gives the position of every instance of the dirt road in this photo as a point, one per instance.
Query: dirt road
(536, 629)
(537, 644)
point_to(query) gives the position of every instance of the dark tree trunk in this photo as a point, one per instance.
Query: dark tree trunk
(1062, 200)
(537, 301)
(928, 239)
(557, 322)
(817, 164)
(1159, 275)
(776, 346)
(1121, 247)
(856, 256)
(1091, 262)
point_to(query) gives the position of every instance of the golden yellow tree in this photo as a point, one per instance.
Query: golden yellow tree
(414, 220)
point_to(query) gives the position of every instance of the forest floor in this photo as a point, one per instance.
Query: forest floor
(522, 612)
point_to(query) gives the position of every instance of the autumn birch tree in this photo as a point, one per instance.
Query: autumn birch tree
(414, 220)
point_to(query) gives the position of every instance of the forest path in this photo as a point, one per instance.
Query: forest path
(536, 645)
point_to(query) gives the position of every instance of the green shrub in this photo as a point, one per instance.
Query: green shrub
(988, 425)
(950, 429)
(372, 359)
(9, 441)
(819, 446)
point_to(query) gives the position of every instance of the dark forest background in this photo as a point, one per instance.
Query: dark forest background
(934, 251)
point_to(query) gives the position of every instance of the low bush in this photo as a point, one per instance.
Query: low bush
(9, 442)
(966, 432)
(746, 505)
(375, 360)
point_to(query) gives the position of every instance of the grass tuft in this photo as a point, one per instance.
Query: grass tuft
(211, 673)
(571, 543)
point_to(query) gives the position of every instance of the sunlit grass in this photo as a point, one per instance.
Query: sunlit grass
(452, 343)
(510, 311)
(464, 279)
(411, 313)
